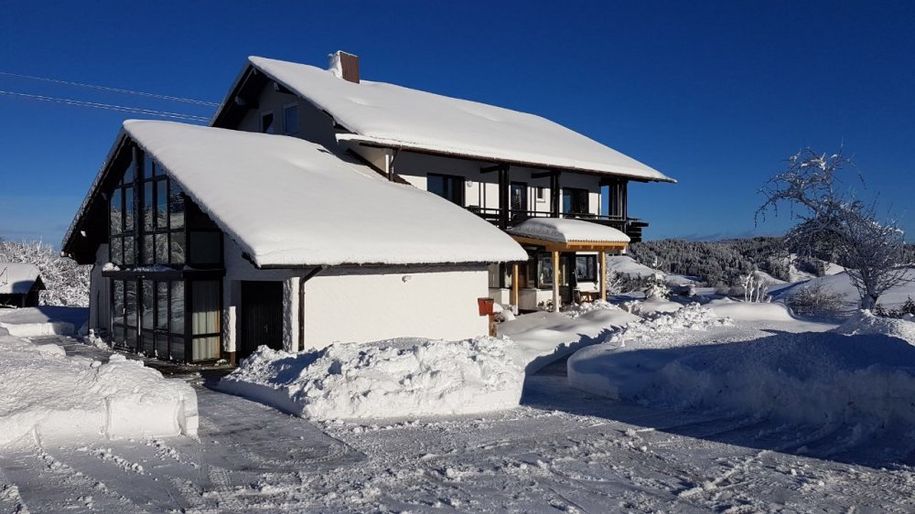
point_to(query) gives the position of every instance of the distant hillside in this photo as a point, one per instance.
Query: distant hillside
(721, 263)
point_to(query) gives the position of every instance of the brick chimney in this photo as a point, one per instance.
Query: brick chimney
(345, 66)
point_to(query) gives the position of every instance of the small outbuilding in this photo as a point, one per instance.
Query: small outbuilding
(20, 284)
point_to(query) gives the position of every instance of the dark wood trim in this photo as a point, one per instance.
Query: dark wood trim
(555, 195)
(504, 197)
(164, 274)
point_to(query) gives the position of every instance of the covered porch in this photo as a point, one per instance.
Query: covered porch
(568, 260)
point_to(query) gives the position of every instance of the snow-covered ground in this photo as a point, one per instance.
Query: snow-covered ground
(865, 381)
(727, 406)
(48, 396)
(561, 450)
(838, 283)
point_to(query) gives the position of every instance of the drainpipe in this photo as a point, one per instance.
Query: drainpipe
(389, 156)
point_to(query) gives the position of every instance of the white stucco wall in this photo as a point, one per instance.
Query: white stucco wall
(387, 302)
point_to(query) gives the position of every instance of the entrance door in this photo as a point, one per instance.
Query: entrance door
(518, 201)
(261, 316)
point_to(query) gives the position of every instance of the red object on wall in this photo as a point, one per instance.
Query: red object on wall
(485, 305)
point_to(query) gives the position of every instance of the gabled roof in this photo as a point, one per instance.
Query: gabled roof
(377, 113)
(289, 202)
(18, 278)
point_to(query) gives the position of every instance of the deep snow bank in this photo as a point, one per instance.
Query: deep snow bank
(385, 379)
(806, 377)
(864, 322)
(749, 311)
(42, 321)
(544, 337)
(71, 399)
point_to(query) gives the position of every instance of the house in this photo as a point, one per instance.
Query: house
(318, 207)
(208, 242)
(20, 284)
(507, 167)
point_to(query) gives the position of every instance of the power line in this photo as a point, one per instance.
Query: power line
(108, 107)
(113, 89)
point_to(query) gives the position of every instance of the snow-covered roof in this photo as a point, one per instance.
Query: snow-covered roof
(384, 114)
(18, 278)
(287, 202)
(561, 230)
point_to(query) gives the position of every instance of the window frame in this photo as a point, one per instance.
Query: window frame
(458, 188)
(298, 121)
(592, 267)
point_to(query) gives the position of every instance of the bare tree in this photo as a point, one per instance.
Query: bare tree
(834, 226)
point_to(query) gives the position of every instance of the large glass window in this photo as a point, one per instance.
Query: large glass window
(586, 268)
(148, 317)
(448, 187)
(205, 328)
(617, 199)
(575, 201)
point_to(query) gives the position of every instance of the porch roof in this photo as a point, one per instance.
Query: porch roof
(560, 234)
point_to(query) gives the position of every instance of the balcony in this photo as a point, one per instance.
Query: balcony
(632, 227)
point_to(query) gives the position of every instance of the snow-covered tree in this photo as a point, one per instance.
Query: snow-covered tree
(67, 283)
(656, 288)
(834, 226)
(755, 289)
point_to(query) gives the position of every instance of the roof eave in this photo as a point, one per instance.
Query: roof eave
(401, 145)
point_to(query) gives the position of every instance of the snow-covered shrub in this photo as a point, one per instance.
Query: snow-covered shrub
(575, 310)
(67, 283)
(615, 283)
(690, 317)
(656, 288)
(813, 299)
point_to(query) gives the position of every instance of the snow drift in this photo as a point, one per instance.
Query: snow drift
(750, 311)
(864, 322)
(72, 399)
(544, 337)
(818, 378)
(386, 379)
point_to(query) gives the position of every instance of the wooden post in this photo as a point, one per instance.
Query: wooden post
(555, 195)
(516, 285)
(602, 257)
(504, 198)
(556, 301)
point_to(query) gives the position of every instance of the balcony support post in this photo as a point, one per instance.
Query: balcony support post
(556, 300)
(504, 201)
(555, 195)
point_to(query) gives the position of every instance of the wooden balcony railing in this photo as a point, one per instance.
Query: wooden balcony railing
(632, 227)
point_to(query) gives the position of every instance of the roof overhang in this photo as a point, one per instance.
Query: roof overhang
(376, 142)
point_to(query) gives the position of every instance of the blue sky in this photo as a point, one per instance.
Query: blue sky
(715, 94)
